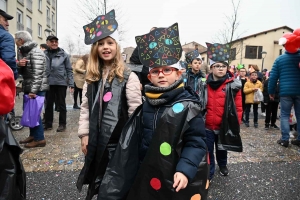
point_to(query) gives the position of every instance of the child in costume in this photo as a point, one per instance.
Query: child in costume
(243, 78)
(249, 89)
(172, 150)
(194, 75)
(111, 94)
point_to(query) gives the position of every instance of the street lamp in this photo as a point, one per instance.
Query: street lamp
(47, 32)
(263, 55)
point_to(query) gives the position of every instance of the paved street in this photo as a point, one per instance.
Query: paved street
(264, 170)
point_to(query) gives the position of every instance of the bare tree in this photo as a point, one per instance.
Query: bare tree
(88, 10)
(69, 45)
(229, 34)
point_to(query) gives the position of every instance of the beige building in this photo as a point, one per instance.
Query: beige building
(248, 50)
(38, 17)
(127, 52)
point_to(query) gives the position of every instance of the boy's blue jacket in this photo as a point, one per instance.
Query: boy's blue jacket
(172, 140)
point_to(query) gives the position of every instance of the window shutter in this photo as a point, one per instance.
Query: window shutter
(259, 52)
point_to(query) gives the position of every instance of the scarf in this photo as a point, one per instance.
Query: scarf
(160, 95)
(215, 84)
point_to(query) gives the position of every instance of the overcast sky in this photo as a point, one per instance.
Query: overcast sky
(199, 20)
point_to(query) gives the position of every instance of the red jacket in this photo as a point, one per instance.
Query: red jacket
(215, 105)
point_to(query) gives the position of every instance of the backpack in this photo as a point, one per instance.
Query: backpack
(8, 88)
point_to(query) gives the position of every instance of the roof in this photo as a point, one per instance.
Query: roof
(263, 32)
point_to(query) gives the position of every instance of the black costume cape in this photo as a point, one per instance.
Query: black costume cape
(154, 179)
(12, 173)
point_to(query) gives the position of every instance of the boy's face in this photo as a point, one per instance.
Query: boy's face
(253, 76)
(196, 65)
(219, 70)
(242, 72)
(164, 76)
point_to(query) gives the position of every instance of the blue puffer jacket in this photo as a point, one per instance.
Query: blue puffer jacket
(7, 50)
(194, 138)
(286, 69)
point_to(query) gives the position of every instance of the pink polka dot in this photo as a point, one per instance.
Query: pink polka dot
(99, 33)
(155, 183)
(107, 97)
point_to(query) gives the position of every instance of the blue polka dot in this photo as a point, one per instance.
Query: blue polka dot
(178, 107)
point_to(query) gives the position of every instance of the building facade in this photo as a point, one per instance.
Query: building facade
(38, 17)
(261, 48)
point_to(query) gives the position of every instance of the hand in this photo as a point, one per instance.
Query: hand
(255, 89)
(31, 95)
(84, 143)
(180, 181)
(71, 89)
(266, 104)
(272, 97)
(22, 62)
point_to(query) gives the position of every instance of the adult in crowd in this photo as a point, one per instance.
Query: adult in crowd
(43, 47)
(7, 44)
(34, 80)
(286, 69)
(242, 77)
(60, 77)
(13, 178)
(79, 71)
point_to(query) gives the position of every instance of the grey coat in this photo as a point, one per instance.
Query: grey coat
(59, 69)
(34, 73)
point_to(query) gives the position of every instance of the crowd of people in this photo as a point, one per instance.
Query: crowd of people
(151, 133)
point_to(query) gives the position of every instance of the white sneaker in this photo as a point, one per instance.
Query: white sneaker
(263, 114)
(292, 135)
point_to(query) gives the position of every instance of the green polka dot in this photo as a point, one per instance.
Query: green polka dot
(165, 149)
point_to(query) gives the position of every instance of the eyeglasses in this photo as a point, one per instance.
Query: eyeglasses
(220, 66)
(165, 71)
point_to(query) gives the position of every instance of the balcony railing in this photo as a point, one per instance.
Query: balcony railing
(53, 26)
(48, 1)
(21, 2)
(29, 30)
(48, 21)
(20, 26)
(29, 5)
(53, 4)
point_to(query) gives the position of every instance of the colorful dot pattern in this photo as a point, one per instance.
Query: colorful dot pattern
(155, 183)
(190, 56)
(165, 149)
(218, 52)
(160, 47)
(178, 107)
(101, 27)
(107, 97)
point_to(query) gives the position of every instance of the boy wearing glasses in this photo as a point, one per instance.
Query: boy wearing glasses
(242, 77)
(172, 151)
(216, 92)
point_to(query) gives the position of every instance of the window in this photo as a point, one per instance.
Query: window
(233, 54)
(29, 5)
(53, 4)
(48, 1)
(29, 24)
(20, 26)
(21, 2)
(39, 30)
(253, 52)
(48, 17)
(40, 5)
(53, 21)
(3, 5)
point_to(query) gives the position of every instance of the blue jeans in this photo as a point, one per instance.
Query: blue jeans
(38, 131)
(286, 104)
(221, 155)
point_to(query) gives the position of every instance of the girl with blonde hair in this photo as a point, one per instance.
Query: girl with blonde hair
(110, 95)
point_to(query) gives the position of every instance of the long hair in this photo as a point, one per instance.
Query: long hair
(85, 59)
(95, 66)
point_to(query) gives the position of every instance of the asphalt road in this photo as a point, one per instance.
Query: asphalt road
(246, 181)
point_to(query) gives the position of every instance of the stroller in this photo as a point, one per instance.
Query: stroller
(13, 121)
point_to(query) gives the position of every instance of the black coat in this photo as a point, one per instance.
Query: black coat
(266, 93)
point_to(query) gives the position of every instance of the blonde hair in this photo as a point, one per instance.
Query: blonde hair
(95, 66)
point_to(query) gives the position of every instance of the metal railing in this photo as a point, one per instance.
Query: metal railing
(29, 5)
(29, 30)
(53, 4)
(48, 1)
(20, 26)
(48, 21)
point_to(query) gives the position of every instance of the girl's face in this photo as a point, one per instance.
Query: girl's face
(107, 49)
(164, 76)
